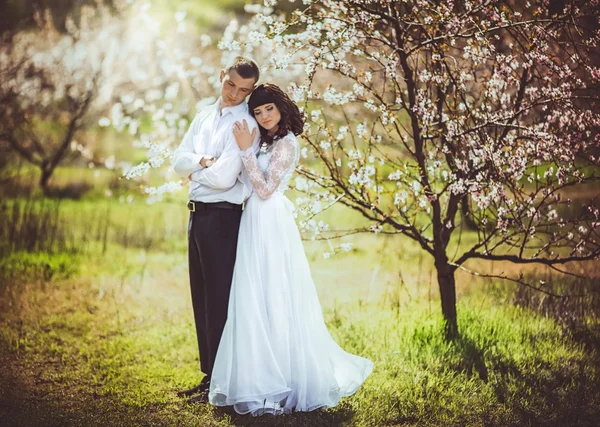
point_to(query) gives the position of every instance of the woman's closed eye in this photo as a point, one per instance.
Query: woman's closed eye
(258, 112)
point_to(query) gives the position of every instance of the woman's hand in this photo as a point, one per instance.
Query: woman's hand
(242, 135)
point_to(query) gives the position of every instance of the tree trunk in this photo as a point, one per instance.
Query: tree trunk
(447, 285)
(466, 214)
(44, 180)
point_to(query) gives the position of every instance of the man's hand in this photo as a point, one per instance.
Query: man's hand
(203, 161)
(242, 135)
(205, 158)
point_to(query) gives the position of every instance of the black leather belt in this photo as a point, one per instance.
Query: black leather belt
(201, 206)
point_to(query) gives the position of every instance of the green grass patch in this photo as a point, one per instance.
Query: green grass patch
(39, 266)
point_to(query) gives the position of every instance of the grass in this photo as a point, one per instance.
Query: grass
(110, 342)
(132, 347)
(39, 266)
(96, 326)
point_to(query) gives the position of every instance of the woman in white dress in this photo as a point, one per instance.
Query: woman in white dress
(276, 355)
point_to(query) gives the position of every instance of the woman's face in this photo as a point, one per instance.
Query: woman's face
(268, 117)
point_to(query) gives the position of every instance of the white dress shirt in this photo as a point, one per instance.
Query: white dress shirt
(211, 134)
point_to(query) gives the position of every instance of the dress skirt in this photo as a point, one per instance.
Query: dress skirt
(276, 354)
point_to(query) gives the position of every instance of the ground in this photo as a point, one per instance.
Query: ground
(105, 337)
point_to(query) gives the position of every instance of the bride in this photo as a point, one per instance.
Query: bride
(276, 355)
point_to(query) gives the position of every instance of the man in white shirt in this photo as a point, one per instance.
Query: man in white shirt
(210, 158)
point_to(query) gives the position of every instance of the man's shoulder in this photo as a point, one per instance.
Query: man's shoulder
(200, 117)
(204, 110)
(251, 120)
(245, 115)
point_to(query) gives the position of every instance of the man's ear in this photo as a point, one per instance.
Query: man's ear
(221, 76)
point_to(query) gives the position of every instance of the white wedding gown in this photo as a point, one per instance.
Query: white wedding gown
(276, 355)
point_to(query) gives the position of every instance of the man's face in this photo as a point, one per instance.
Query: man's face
(234, 88)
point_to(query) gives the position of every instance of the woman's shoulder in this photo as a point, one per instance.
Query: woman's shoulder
(286, 145)
(289, 139)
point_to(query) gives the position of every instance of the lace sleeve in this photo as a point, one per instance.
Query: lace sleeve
(281, 160)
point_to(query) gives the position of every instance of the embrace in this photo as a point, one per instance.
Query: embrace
(263, 343)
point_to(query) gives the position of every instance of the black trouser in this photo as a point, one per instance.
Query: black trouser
(212, 244)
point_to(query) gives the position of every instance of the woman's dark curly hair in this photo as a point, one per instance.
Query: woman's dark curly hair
(291, 117)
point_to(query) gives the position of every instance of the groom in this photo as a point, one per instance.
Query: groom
(210, 158)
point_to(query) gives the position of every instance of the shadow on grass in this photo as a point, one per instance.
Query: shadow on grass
(590, 338)
(320, 417)
(27, 398)
(548, 396)
(537, 392)
(471, 358)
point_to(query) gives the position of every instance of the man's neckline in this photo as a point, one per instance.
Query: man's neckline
(242, 107)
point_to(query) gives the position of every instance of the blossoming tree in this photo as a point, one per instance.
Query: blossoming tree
(48, 82)
(432, 117)
(420, 111)
(54, 85)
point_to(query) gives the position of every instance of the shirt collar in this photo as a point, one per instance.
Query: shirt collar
(236, 110)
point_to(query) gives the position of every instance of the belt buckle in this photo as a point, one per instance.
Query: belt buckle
(243, 205)
(193, 206)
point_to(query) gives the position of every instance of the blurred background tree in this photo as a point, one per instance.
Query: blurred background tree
(20, 14)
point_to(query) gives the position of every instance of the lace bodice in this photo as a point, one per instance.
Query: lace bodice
(272, 170)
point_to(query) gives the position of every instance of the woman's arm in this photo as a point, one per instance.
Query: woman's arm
(282, 158)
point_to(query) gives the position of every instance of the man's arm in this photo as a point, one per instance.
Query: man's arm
(224, 173)
(185, 161)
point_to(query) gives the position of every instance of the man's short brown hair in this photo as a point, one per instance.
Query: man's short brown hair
(245, 67)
